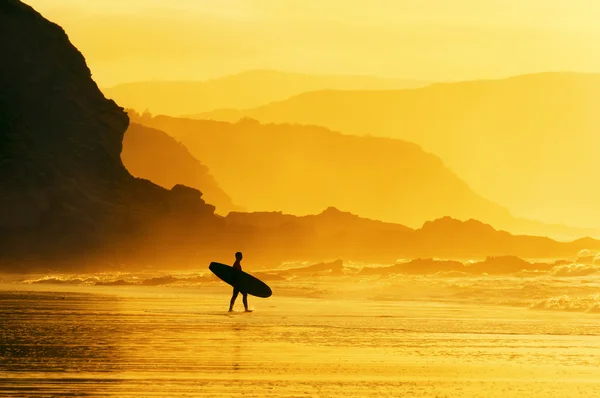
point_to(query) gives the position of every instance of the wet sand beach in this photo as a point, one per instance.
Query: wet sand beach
(169, 342)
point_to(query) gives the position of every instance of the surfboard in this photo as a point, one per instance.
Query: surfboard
(244, 281)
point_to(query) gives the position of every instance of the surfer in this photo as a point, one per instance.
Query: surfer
(237, 265)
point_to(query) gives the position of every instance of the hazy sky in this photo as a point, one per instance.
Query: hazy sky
(131, 40)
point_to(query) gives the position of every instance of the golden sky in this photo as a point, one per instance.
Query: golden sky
(132, 40)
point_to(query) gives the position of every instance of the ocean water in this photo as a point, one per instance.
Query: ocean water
(528, 334)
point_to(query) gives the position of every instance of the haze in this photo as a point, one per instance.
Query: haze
(429, 40)
(416, 236)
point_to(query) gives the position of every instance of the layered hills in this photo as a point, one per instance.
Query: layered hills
(242, 90)
(154, 155)
(68, 202)
(301, 170)
(304, 169)
(528, 142)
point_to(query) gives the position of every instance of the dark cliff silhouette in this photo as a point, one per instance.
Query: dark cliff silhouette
(67, 201)
(64, 190)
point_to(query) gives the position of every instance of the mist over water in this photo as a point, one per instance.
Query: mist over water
(568, 286)
(485, 189)
(169, 334)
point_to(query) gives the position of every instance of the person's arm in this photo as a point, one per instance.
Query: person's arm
(237, 268)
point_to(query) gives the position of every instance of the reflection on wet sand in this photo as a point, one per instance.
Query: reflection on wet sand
(51, 342)
(165, 342)
(238, 334)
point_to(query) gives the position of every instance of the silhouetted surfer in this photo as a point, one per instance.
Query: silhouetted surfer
(238, 266)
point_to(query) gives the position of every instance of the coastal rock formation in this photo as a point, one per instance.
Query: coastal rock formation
(64, 191)
(67, 201)
(154, 155)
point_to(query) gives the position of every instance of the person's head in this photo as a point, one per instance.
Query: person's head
(238, 256)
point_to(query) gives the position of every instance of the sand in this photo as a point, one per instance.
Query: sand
(175, 342)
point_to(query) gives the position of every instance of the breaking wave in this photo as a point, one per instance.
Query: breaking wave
(122, 279)
(575, 270)
(589, 303)
(559, 286)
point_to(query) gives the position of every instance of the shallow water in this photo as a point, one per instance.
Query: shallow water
(174, 341)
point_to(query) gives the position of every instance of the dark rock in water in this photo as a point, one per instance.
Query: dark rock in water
(64, 191)
(119, 282)
(585, 260)
(561, 262)
(325, 269)
(504, 265)
(418, 266)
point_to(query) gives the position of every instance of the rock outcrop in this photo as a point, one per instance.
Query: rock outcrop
(64, 192)
(307, 168)
(68, 202)
(154, 155)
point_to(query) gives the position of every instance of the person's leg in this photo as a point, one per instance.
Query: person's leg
(233, 297)
(245, 300)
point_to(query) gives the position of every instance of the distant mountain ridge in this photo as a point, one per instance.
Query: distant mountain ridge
(68, 202)
(528, 142)
(333, 234)
(242, 90)
(302, 169)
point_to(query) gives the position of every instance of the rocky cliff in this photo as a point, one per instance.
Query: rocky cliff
(67, 201)
(64, 191)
